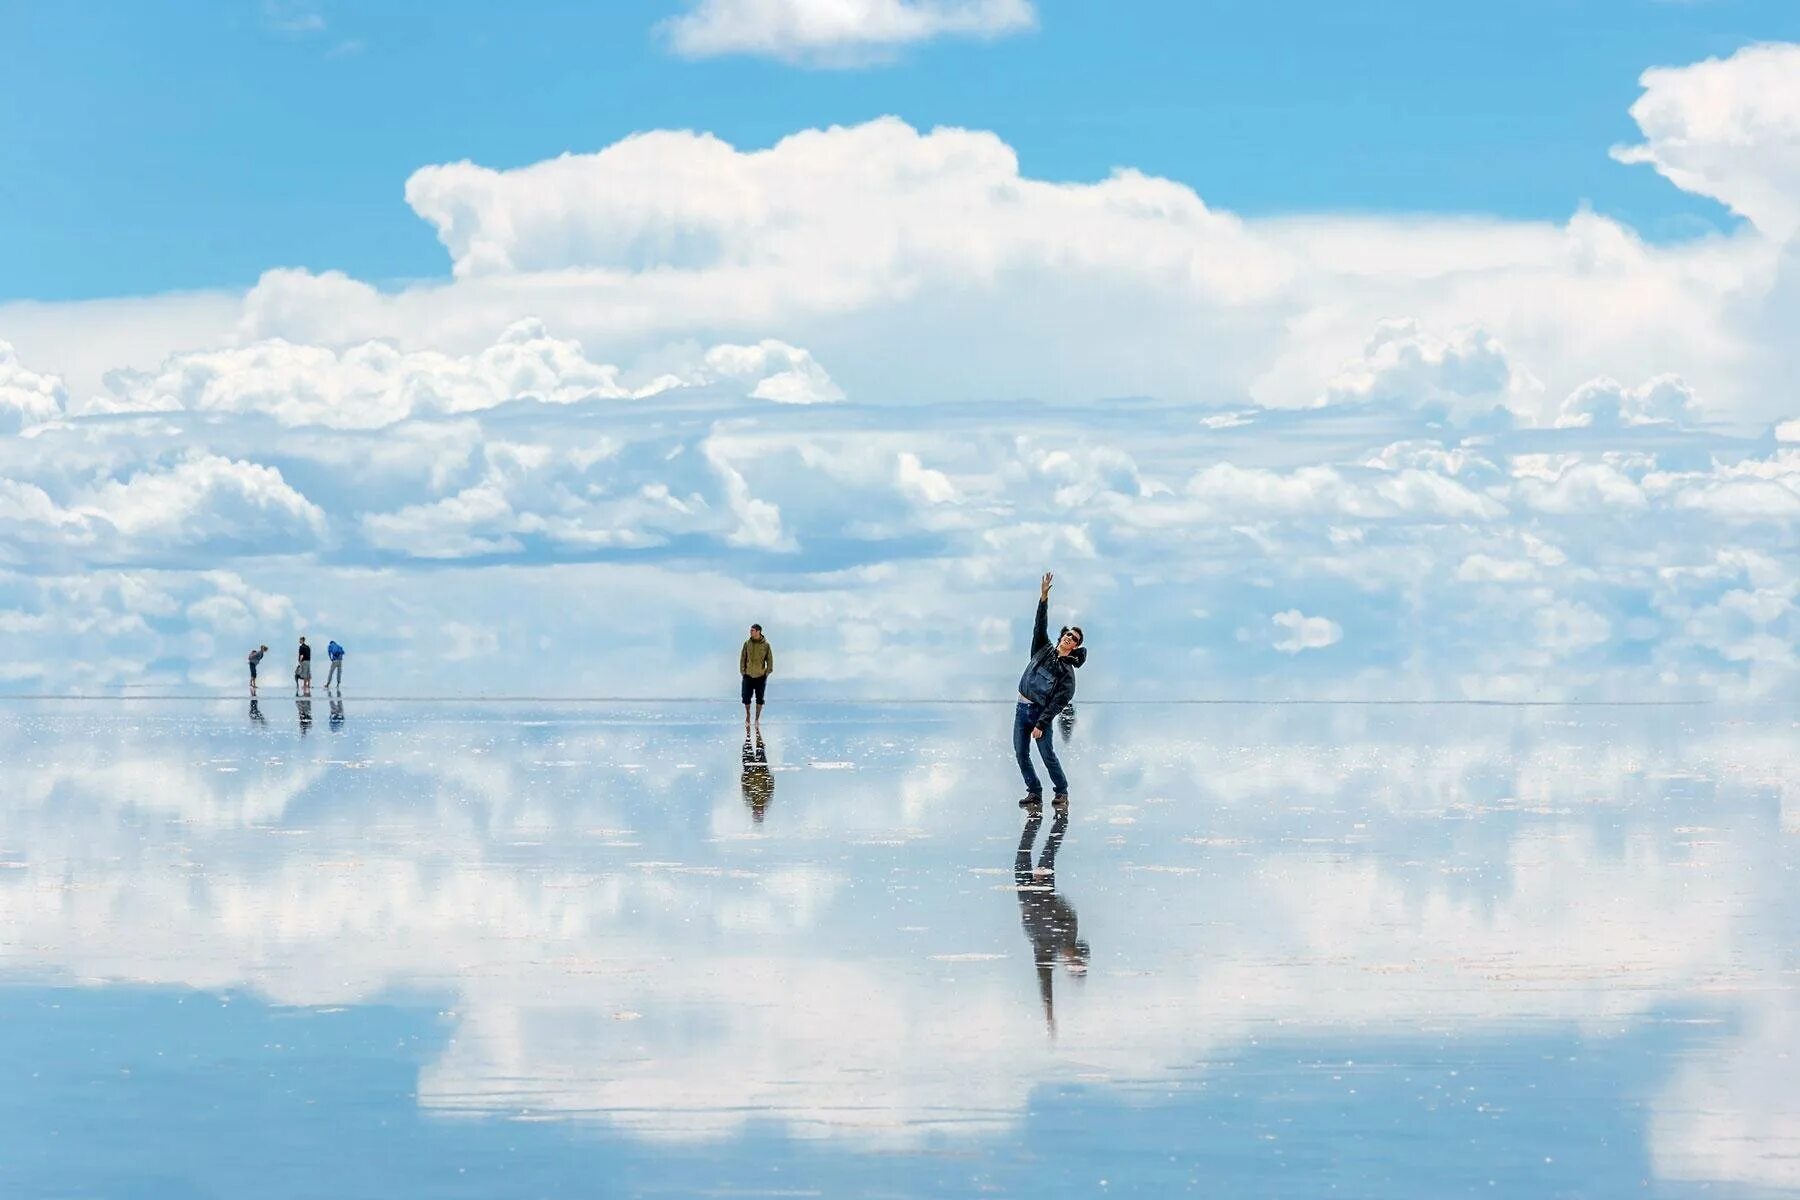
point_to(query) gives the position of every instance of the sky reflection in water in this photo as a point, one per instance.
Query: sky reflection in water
(343, 949)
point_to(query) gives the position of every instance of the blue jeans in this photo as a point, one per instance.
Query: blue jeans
(1024, 721)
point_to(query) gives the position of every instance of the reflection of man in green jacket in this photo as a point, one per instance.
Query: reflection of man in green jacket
(756, 662)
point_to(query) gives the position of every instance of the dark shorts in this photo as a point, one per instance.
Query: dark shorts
(754, 687)
(253, 670)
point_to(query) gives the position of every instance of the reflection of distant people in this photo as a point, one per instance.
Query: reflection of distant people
(256, 714)
(759, 782)
(1049, 919)
(335, 674)
(1066, 723)
(304, 706)
(1045, 689)
(756, 662)
(256, 656)
(303, 669)
(337, 713)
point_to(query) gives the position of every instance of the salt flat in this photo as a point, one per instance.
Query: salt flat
(381, 948)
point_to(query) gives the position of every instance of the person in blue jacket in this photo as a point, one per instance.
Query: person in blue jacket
(335, 653)
(1045, 689)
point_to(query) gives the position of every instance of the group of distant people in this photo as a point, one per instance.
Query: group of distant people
(303, 667)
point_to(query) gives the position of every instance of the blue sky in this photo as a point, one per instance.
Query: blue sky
(150, 148)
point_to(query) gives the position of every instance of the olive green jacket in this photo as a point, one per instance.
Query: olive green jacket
(756, 659)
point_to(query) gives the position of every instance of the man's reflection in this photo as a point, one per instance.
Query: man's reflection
(337, 713)
(304, 705)
(1049, 919)
(256, 714)
(759, 783)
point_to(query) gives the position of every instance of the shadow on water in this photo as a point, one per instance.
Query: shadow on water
(1049, 919)
(758, 781)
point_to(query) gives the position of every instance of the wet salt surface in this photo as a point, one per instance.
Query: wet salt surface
(431, 950)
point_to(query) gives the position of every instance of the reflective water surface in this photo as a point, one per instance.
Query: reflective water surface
(331, 948)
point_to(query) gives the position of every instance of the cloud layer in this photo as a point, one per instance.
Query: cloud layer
(868, 382)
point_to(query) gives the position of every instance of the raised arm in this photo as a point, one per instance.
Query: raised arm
(1040, 629)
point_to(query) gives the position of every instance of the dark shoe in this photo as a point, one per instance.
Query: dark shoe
(1032, 800)
(1060, 801)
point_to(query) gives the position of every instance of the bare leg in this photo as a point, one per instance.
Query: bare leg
(759, 709)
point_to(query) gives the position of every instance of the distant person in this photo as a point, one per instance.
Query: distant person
(303, 669)
(256, 656)
(759, 782)
(1045, 689)
(1048, 918)
(756, 662)
(335, 674)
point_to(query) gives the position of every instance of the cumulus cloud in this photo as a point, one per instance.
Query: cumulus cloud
(1465, 374)
(26, 397)
(836, 32)
(1665, 400)
(1301, 632)
(779, 372)
(1730, 129)
(198, 504)
(375, 384)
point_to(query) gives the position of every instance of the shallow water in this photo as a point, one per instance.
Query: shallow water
(435, 950)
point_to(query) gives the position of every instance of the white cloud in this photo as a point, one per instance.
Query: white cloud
(375, 384)
(851, 241)
(26, 397)
(1569, 628)
(1665, 400)
(1730, 129)
(780, 372)
(836, 32)
(206, 500)
(1466, 374)
(1305, 633)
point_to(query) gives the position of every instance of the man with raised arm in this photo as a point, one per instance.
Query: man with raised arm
(1045, 689)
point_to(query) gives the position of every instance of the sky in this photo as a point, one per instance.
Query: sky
(1413, 353)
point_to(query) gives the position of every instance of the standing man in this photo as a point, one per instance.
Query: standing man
(756, 662)
(303, 669)
(256, 656)
(1045, 689)
(335, 653)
